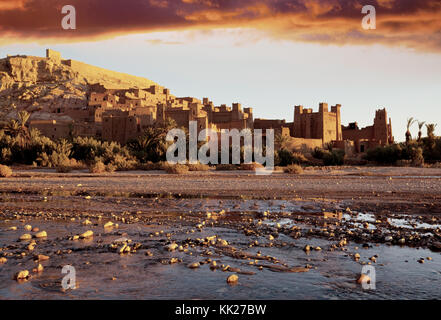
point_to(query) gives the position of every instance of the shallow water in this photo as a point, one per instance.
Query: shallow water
(331, 275)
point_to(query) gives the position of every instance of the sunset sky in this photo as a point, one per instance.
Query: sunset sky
(267, 54)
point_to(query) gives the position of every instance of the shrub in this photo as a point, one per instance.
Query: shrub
(198, 167)
(250, 166)
(318, 153)
(293, 169)
(64, 169)
(151, 166)
(176, 168)
(334, 158)
(5, 171)
(111, 167)
(285, 158)
(97, 167)
(226, 167)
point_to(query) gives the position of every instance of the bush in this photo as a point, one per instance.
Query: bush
(198, 167)
(176, 168)
(285, 158)
(226, 167)
(250, 166)
(334, 158)
(151, 166)
(293, 169)
(97, 167)
(111, 168)
(318, 153)
(5, 171)
(64, 169)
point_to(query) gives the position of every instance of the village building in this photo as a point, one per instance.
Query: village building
(116, 114)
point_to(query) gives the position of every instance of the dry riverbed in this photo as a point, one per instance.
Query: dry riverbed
(156, 236)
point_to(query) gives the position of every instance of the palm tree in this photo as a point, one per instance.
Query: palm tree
(281, 141)
(13, 127)
(420, 126)
(410, 122)
(431, 130)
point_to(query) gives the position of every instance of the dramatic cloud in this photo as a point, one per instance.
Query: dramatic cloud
(410, 23)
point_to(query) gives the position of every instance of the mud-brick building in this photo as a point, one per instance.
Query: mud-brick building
(120, 126)
(224, 117)
(324, 124)
(54, 129)
(380, 133)
(279, 126)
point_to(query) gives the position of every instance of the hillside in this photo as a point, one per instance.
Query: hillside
(39, 84)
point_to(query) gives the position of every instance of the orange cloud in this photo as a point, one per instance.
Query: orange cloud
(410, 23)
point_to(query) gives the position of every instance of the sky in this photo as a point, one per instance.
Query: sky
(266, 54)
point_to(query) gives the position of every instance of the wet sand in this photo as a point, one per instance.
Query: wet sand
(254, 226)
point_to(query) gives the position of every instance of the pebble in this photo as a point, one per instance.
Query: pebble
(26, 236)
(87, 234)
(108, 224)
(41, 234)
(28, 227)
(307, 248)
(172, 246)
(194, 265)
(233, 278)
(363, 279)
(38, 269)
(3, 260)
(24, 274)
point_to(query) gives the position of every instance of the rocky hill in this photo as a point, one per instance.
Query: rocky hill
(39, 84)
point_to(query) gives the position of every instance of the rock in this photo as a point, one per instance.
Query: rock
(388, 238)
(3, 260)
(364, 278)
(41, 257)
(356, 256)
(41, 234)
(402, 241)
(421, 260)
(172, 246)
(109, 224)
(194, 265)
(213, 265)
(232, 279)
(317, 249)
(148, 253)
(21, 275)
(373, 259)
(307, 248)
(270, 237)
(31, 246)
(25, 236)
(429, 258)
(13, 228)
(38, 269)
(87, 234)
(87, 222)
(28, 227)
